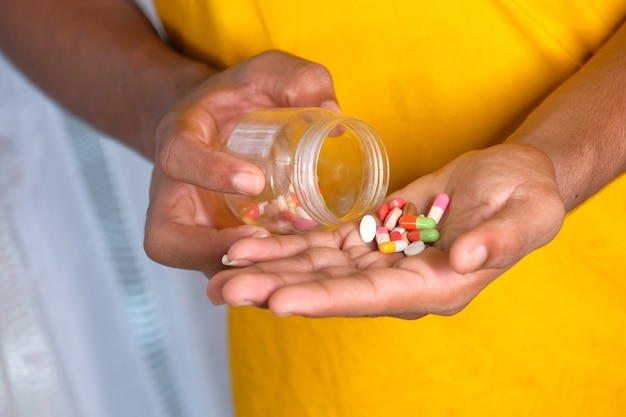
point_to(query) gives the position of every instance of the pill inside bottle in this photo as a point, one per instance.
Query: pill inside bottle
(321, 169)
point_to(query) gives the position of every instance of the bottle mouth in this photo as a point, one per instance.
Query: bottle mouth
(343, 162)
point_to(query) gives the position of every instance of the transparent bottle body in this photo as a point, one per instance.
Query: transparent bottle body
(321, 170)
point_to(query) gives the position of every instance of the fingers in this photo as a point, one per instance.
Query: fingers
(301, 83)
(193, 247)
(246, 252)
(186, 157)
(189, 138)
(325, 284)
(181, 226)
(253, 285)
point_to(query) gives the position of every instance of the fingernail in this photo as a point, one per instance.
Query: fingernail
(242, 303)
(260, 234)
(226, 261)
(247, 183)
(476, 258)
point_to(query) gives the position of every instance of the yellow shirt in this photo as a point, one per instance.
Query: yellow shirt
(437, 79)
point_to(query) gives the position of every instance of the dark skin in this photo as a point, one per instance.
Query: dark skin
(103, 61)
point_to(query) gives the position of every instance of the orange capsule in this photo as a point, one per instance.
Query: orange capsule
(417, 222)
(425, 235)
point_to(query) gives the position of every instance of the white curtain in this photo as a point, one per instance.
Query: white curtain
(89, 326)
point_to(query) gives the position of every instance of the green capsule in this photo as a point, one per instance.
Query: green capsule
(425, 235)
(417, 222)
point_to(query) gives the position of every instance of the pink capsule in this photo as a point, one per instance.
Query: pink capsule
(439, 207)
(304, 224)
(382, 235)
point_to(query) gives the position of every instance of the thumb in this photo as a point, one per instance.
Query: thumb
(516, 230)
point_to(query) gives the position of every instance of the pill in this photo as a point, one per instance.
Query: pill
(282, 202)
(382, 235)
(439, 207)
(417, 222)
(391, 220)
(424, 235)
(289, 215)
(396, 233)
(409, 209)
(248, 209)
(262, 206)
(414, 248)
(396, 202)
(304, 224)
(301, 213)
(393, 246)
(367, 228)
(383, 211)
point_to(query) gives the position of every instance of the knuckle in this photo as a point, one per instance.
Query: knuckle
(166, 155)
(314, 72)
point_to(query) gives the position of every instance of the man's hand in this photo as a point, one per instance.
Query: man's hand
(504, 204)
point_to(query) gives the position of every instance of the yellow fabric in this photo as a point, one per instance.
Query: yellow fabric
(437, 79)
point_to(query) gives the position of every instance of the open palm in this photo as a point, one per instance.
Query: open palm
(504, 204)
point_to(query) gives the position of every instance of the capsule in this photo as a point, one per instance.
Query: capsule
(393, 246)
(424, 235)
(304, 224)
(439, 207)
(417, 222)
(382, 235)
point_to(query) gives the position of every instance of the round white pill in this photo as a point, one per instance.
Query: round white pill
(367, 228)
(414, 248)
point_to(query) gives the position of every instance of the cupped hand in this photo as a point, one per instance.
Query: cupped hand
(504, 203)
(188, 224)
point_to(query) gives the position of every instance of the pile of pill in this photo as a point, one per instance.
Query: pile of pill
(398, 227)
(283, 214)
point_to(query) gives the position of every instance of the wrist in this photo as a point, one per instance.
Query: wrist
(163, 83)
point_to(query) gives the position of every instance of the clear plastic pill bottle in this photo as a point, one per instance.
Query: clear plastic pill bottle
(321, 169)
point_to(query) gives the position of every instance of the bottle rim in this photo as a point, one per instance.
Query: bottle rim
(375, 182)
